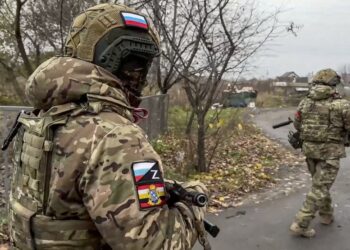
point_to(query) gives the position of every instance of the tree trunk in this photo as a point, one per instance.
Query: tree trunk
(157, 71)
(201, 143)
(189, 124)
(19, 40)
(61, 28)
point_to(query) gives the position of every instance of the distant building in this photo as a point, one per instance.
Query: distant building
(302, 79)
(290, 74)
(346, 78)
(291, 83)
(287, 77)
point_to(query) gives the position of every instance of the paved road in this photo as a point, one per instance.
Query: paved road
(265, 226)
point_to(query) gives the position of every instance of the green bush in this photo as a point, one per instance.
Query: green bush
(160, 146)
(227, 118)
(6, 100)
(178, 118)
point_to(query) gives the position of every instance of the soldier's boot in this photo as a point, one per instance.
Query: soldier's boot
(326, 219)
(304, 232)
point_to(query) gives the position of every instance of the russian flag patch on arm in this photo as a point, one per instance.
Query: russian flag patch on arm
(134, 20)
(149, 183)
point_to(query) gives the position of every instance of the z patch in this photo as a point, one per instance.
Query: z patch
(149, 184)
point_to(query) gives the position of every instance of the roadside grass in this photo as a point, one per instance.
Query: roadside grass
(179, 116)
(278, 100)
(245, 160)
(7, 100)
(177, 148)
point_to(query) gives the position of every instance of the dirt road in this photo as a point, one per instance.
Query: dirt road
(264, 226)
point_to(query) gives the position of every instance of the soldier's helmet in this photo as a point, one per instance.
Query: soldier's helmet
(326, 77)
(117, 38)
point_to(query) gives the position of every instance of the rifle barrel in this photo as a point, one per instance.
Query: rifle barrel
(282, 124)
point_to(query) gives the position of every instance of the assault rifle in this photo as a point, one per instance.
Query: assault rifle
(178, 193)
(282, 124)
(293, 137)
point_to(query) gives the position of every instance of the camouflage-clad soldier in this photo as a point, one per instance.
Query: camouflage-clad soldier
(85, 175)
(323, 120)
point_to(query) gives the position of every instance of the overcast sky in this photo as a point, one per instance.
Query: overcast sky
(323, 41)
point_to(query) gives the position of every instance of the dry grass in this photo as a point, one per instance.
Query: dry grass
(268, 100)
(245, 161)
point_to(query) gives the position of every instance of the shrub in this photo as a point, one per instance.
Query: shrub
(6, 100)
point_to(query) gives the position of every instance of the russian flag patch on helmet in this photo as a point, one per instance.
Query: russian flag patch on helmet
(134, 20)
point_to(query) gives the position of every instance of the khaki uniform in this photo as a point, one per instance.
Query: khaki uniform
(323, 119)
(74, 183)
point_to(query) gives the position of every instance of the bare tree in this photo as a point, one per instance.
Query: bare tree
(207, 40)
(18, 35)
(31, 31)
(344, 71)
(165, 15)
(9, 54)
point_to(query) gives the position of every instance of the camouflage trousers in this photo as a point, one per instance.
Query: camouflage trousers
(318, 199)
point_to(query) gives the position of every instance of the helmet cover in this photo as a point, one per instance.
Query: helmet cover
(115, 37)
(326, 77)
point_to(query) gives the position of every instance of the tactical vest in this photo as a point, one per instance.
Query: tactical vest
(319, 122)
(30, 228)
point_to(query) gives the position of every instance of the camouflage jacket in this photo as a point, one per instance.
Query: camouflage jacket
(323, 119)
(98, 159)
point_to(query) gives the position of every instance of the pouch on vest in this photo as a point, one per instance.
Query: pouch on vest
(317, 125)
(30, 228)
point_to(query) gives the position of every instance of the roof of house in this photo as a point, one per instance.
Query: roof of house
(289, 74)
(283, 79)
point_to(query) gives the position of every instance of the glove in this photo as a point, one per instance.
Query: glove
(294, 139)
